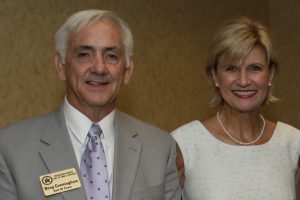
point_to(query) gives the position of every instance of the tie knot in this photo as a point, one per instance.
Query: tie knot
(95, 130)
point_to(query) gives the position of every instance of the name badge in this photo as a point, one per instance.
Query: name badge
(61, 181)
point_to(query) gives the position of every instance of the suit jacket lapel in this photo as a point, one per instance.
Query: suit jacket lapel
(59, 154)
(126, 157)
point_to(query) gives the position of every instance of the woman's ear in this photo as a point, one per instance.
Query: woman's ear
(214, 76)
(272, 73)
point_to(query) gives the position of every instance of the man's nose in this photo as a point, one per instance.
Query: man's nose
(99, 64)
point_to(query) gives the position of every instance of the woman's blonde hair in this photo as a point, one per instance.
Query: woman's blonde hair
(235, 39)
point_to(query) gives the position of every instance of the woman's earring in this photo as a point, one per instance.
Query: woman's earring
(270, 84)
(217, 84)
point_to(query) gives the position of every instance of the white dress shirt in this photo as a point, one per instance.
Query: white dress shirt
(78, 126)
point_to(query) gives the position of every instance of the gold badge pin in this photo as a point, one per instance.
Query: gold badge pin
(61, 181)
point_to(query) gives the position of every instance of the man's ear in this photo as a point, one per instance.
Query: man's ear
(60, 67)
(128, 72)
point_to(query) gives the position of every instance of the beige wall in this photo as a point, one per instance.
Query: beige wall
(169, 86)
(284, 22)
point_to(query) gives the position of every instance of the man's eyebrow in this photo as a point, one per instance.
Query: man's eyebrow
(83, 47)
(91, 48)
(109, 48)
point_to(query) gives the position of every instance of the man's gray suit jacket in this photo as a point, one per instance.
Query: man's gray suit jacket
(144, 159)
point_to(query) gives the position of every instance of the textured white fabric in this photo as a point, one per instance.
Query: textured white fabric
(215, 170)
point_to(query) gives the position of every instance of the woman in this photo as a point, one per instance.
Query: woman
(238, 154)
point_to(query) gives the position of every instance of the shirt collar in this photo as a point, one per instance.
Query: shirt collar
(79, 124)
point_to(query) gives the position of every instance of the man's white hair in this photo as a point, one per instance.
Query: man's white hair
(79, 20)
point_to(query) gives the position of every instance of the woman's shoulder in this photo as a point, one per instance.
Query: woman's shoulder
(190, 132)
(287, 129)
(281, 126)
(188, 128)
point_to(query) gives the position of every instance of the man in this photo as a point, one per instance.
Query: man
(56, 156)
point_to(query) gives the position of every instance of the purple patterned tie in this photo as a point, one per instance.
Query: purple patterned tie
(93, 166)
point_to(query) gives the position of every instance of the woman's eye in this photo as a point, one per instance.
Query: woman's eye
(255, 68)
(231, 68)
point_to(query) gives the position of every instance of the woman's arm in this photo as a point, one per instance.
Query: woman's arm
(180, 166)
(298, 181)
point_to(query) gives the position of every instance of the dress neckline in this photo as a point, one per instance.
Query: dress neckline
(267, 143)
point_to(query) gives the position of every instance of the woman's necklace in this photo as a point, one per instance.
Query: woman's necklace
(236, 140)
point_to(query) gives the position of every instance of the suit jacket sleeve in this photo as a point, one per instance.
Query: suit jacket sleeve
(7, 185)
(172, 189)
